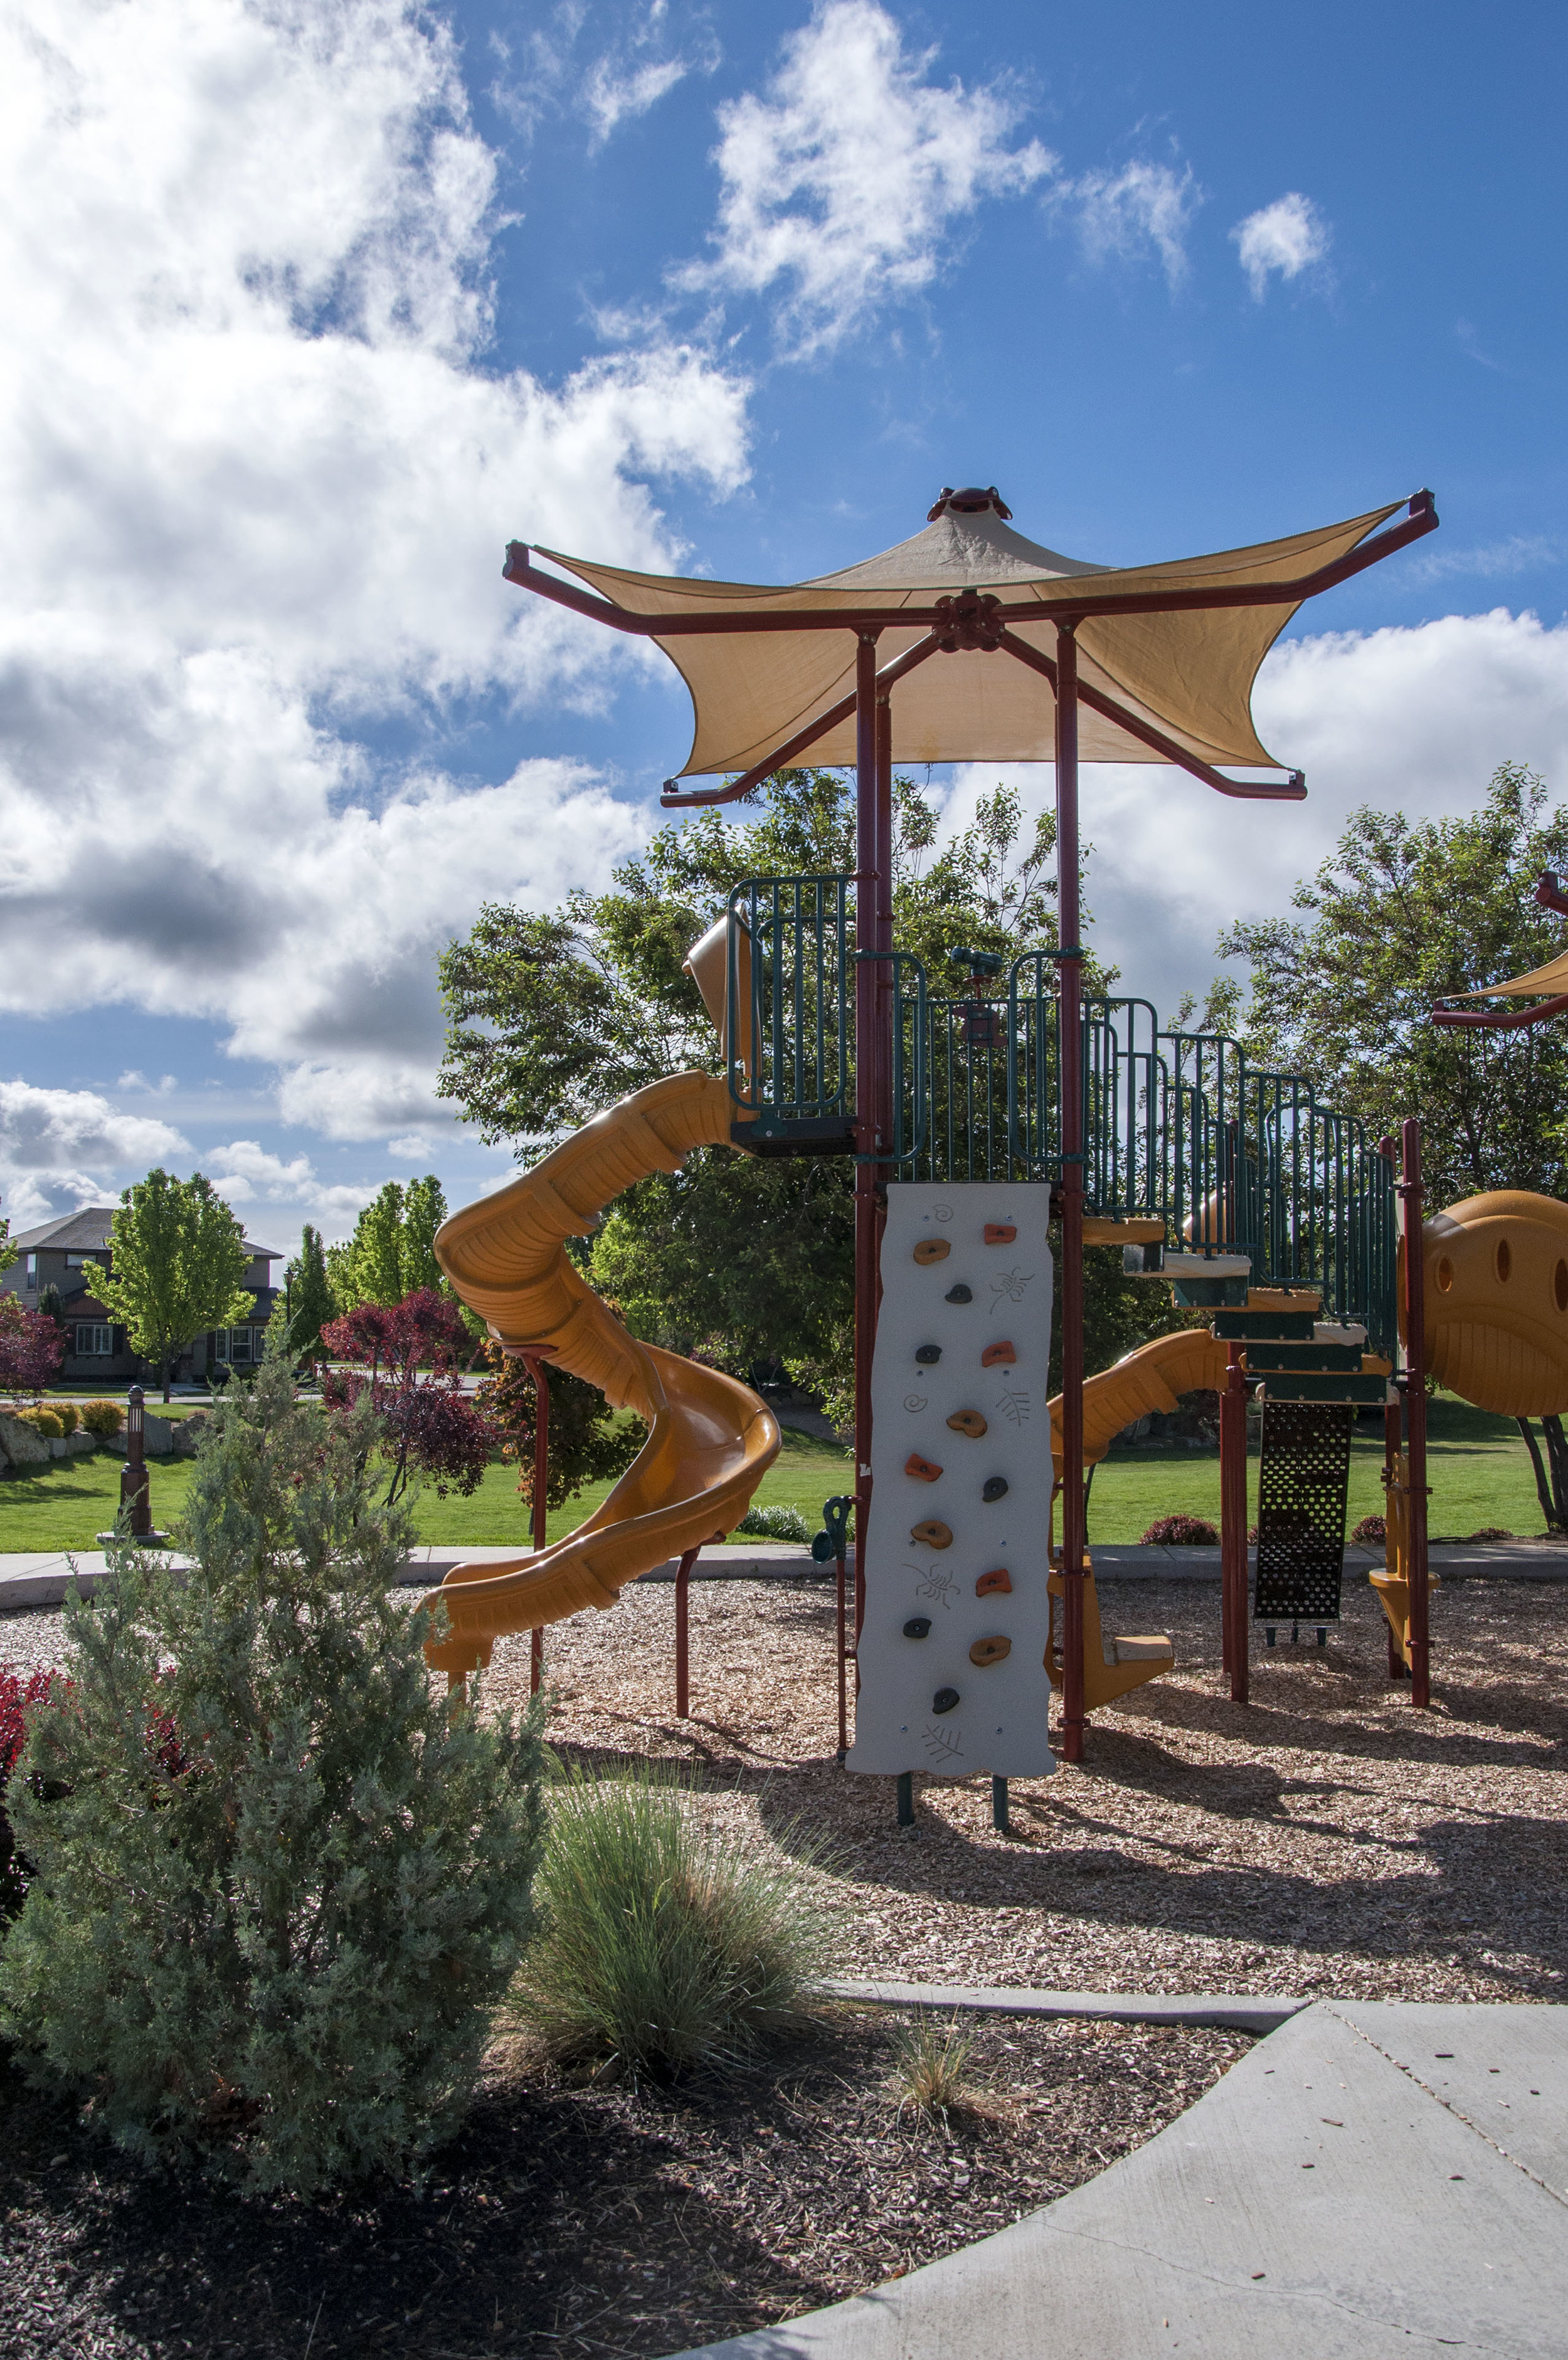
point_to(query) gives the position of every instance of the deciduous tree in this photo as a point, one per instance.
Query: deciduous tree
(179, 1266)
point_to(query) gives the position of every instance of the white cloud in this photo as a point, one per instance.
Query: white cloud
(244, 1170)
(1143, 209)
(610, 97)
(1291, 236)
(58, 1148)
(256, 481)
(1416, 719)
(1517, 552)
(844, 179)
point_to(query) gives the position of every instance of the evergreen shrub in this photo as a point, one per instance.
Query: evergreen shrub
(69, 1417)
(42, 1421)
(778, 1524)
(663, 1946)
(102, 1417)
(277, 1884)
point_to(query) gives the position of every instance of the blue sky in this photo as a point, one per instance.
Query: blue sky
(309, 311)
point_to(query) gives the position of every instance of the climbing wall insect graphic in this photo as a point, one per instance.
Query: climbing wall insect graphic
(951, 1652)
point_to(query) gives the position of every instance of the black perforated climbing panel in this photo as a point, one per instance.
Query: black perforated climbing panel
(1302, 1478)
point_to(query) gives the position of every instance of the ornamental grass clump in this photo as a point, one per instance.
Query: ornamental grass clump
(929, 2064)
(276, 1887)
(664, 1945)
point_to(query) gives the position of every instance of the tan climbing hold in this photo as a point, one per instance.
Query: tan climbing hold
(990, 1651)
(933, 1250)
(934, 1535)
(967, 1421)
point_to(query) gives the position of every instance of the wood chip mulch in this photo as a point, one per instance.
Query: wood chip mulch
(578, 2219)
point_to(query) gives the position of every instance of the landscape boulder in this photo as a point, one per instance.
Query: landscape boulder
(22, 1446)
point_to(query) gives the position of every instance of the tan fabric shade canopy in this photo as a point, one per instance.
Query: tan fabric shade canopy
(1552, 978)
(1188, 673)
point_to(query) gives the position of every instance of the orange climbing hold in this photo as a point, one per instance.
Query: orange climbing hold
(993, 1584)
(924, 1471)
(998, 1356)
(1001, 1233)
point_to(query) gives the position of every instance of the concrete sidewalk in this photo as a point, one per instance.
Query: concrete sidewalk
(1373, 2179)
(40, 1578)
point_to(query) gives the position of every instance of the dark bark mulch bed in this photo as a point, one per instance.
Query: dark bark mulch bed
(571, 2218)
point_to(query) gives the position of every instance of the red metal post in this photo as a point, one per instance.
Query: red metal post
(1071, 1068)
(1416, 1409)
(540, 1488)
(1393, 1443)
(1233, 1526)
(843, 1671)
(682, 1653)
(867, 1077)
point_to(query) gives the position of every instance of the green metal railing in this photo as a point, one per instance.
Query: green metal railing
(1179, 1127)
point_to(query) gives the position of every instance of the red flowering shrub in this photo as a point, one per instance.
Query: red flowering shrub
(31, 1348)
(409, 1357)
(1370, 1533)
(1182, 1532)
(16, 1695)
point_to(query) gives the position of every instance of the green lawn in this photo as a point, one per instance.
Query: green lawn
(1480, 1475)
(1476, 1465)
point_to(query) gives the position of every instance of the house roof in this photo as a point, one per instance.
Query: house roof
(87, 1231)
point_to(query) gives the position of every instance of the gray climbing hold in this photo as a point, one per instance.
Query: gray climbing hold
(918, 1627)
(928, 1355)
(944, 1700)
(957, 1295)
(994, 1488)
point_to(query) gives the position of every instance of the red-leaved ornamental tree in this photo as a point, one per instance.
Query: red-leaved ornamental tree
(31, 1348)
(410, 1356)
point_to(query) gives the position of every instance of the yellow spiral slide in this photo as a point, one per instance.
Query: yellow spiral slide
(710, 1439)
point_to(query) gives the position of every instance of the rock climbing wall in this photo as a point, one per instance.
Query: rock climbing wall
(952, 1650)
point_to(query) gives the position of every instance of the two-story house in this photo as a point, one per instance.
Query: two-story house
(62, 1254)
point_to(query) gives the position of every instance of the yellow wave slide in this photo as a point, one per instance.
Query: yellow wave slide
(710, 1439)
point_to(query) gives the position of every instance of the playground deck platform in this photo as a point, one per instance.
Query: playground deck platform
(1372, 2178)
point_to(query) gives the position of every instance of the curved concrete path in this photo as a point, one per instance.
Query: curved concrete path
(1373, 2179)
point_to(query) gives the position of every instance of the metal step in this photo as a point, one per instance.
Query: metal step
(1326, 1388)
(1264, 1356)
(1242, 1326)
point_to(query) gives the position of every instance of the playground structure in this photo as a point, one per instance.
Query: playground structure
(1278, 1222)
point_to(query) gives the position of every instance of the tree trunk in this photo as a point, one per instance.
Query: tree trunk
(1555, 1523)
(1557, 1459)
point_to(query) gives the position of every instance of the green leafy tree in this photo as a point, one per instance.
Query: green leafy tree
(378, 1248)
(179, 1267)
(587, 1443)
(309, 1299)
(7, 1251)
(553, 1017)
(1405, 912)
(424, 1209)
(277, 1886)
(391, 1252)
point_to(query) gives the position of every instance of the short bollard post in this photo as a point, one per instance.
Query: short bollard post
(136, 1482)
(906, 1798)
(999, 1806)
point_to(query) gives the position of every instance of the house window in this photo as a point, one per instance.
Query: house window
(30, 1269)
(94, 1343)
(240, 1344)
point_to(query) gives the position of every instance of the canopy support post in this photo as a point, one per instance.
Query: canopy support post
(868, 1069)
(1070, 1062)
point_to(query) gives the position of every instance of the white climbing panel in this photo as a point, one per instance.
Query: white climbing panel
(966, 1277)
